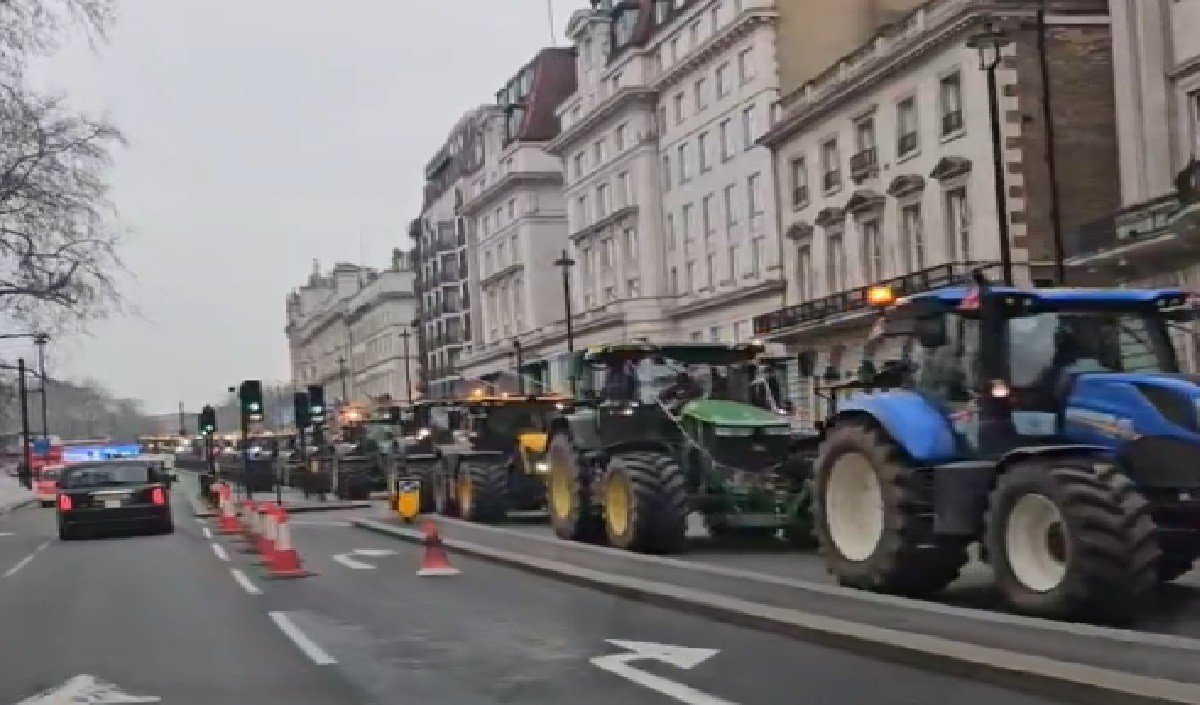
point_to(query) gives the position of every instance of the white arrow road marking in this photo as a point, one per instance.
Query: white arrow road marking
(84, 689)
(678, 656)
(308, 646)
(346, 560)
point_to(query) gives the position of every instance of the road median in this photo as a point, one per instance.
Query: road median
(1078, 663)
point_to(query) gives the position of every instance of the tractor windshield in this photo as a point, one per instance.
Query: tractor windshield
(1043, 346)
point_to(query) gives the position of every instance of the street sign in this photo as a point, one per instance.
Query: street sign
(41, 446)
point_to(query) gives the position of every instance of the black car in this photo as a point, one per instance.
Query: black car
(126, 494)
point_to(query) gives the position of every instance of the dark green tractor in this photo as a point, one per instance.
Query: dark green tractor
(671, 430)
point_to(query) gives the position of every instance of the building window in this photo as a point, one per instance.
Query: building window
(501, 255)
(749, 127)
(602, 201)
(706, 217)
(746, 65)
(631, 245)
(804, 273)
(681, 157)
(913, 237)
(739, 331)
(958, 225)
(619, 136)
(865, 160)
(1194, 105)
(615, 81)
(754, 197)
(582, 213)
(951, 99)
(666, 172)
(906, 127)
(662, 119)
(730, 206)
(485, 225)
(694, 33)
(723, 83)
(679, 116)
(577, 165)
(601, 151)
(733, 262)
(831, 161)
(710, 269)
(755, 256)
(872, 250)
(673, 281)
(835, 262)
(670, 232)
(799, 182)
(512, 208)
(675, 50)
(624, 192)
(697, 335)
(727, 140)
(702, 147)
(714, 334)
(700, 88)
(488, 265)
(689, 277)
(686, 224)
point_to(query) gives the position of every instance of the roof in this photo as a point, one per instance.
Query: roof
(1056, 297)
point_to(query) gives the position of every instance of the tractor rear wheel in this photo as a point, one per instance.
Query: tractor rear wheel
(568, 496)
(874, 529)
(1173, 566)
(1071, 538)
(481, 491)
(645, 503)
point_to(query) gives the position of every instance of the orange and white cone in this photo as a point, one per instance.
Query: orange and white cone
(251, 529)
(227, 523)
(284, 562)
(435, 561)
(269, 526)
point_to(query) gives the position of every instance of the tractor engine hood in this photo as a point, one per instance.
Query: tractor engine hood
(720, 412)
(1143, 403)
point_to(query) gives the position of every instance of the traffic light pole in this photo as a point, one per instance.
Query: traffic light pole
(246, 457)
(26, 455)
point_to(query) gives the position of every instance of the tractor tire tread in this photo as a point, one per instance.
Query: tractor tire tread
(490, 485)
(661, 501)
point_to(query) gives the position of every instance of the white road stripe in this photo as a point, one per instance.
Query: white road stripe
(220, 551)
(315, 653)
(25, 561)
(242, 580)
(207, 533)
(349, 562)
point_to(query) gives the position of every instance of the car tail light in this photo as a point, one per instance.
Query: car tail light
(157, 496)
(64, 503)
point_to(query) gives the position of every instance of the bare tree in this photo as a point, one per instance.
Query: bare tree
(57, 239)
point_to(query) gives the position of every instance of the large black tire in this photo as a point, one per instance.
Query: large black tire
(568, 494)
(443, 499)
(645, 503)
(1107, 542)
(906, 557)
(1172, 566)
(488, 482)
(165, 527)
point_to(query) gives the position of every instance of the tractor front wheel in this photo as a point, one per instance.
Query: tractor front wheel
(873, 526)
(568, 496)
(481, 491)
(645, 503)
(1071, 538)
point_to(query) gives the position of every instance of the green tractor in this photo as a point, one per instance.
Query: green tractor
(671, 430)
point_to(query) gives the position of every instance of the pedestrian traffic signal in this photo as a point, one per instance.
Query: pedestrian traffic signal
(301, 410)
(250, 396)
(316, 404)
(207, 421)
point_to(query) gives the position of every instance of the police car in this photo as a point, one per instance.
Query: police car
(127, 493)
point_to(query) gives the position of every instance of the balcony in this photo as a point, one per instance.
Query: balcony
(855, 300)
(864, 164)
(906, 144)
(831, 180)
(952, 122)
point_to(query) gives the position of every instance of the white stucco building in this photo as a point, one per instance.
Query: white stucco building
(344, 332)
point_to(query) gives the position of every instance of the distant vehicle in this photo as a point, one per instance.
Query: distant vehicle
(125, 493)
(45, 483)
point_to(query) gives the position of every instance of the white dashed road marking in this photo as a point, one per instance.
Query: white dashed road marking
(315, 653)
(207, 533)
(220, 551)
(25, 561)
(242, 580)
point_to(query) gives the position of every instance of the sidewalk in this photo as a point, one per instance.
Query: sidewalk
(12, 494)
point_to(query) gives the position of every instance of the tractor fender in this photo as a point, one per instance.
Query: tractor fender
(1048, 451)
(914, 424)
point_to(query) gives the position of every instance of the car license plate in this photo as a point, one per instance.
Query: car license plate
(112, 503)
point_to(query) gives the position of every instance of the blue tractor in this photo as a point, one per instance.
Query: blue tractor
(1052, 426)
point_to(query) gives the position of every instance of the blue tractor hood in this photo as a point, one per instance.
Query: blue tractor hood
(1113, 408)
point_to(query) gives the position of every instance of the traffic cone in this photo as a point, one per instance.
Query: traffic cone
(435, 560)
(269, 526)
(227, 523)
(250, 526)
(284, 562)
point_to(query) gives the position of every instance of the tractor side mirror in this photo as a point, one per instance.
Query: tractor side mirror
(807, 363)
(931, 332)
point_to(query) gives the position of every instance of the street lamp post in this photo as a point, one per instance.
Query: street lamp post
(342, 373)
(405, 335)
(565, 263)
(988, 43)
(40, 340)
(520, 363)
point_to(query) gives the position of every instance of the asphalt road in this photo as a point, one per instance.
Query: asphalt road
(165, 616)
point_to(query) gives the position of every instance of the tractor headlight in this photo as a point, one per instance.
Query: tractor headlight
(541, 467)
(733, 431)
(422, 434)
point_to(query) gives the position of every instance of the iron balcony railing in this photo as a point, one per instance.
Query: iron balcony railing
(855, 299)
(864, 162)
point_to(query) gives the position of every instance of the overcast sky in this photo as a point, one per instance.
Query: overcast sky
(264, 134)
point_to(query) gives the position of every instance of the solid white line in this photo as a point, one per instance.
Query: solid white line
(315, 653)
(242, 580)
(25, 561)
(207, 533)
(220, 551)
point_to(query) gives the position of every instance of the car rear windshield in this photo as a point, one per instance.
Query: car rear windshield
(109, 475)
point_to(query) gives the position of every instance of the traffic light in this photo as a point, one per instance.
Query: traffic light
(250, 396)
(301, 410)
(207, 421)
(316, 404)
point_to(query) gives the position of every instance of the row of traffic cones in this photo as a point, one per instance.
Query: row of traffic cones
(264, 528)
